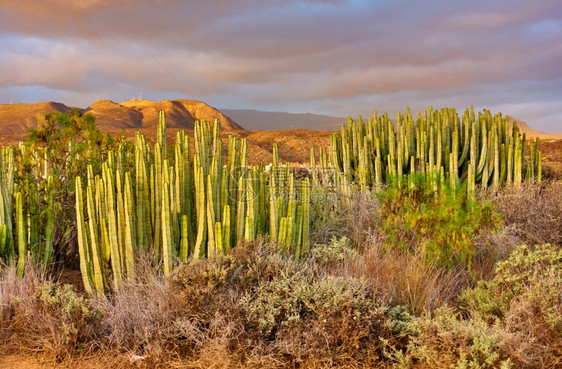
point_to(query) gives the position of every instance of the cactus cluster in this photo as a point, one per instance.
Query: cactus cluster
(183, 207)
(438, 144)
(6, 191)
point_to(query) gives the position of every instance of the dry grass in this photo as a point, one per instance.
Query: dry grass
(532, 213)
(40, 316)
(408, 279)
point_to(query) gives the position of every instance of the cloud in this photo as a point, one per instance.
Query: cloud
(288, 55)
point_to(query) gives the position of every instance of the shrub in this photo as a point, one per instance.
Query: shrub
(513, 320)
(335, 215)
(62, 145)
(52, 319)
(291, 313)
(445, 340)
(334, 253)
(525, 296)
(525, 272)
(440, 224)
(317, 322)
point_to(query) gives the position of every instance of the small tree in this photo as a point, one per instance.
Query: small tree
(62, 146)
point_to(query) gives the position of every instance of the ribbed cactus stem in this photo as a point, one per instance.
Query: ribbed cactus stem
(129, 228)
(115, 249)
(167, 241)
(211, 245)
(537, 163)
(199, 249)
(184, 242)
(3, 238)
(82, 238)
(22, 235)
(50, 220)
(226, 229)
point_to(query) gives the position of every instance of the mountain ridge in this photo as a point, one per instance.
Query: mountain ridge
(134, 114)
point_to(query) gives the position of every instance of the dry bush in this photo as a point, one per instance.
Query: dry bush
(512, 321)
(151, 323)
(253, 308)
(444, 340)
(328, 321)
(337, 215)
(39, 315)
(293, 313)
(525, 297)
(10, 287)
(533, 210)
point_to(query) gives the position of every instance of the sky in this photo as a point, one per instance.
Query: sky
(336, 57)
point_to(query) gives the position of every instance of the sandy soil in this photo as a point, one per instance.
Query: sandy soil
(30, 361)
(19, 362)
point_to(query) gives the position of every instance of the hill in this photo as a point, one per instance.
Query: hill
(524, 127)
(15, 119)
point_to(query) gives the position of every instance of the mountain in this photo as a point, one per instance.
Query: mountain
(524, 128)
(267, 121)
(15, 119)
(179, 114)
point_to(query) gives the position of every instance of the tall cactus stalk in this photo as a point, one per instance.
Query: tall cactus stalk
(6, 194)
(82, 239)
(22, 235)
(49, 215)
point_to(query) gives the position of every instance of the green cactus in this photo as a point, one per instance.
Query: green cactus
(167, 239)
(50, 220)
(22, 234)
(82, 238)
(368, 154)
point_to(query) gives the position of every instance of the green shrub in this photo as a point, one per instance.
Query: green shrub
(445, 340)
(532, 275)
(440, 224)
(62, 146)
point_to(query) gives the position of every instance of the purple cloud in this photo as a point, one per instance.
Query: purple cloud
(300, 56)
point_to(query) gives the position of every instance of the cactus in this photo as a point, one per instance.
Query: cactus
(82, 238)
(22, 234)
(368, 154)
(188, 209)
(167, 240)
(6, 193)
(94, 252)
(49, 214)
